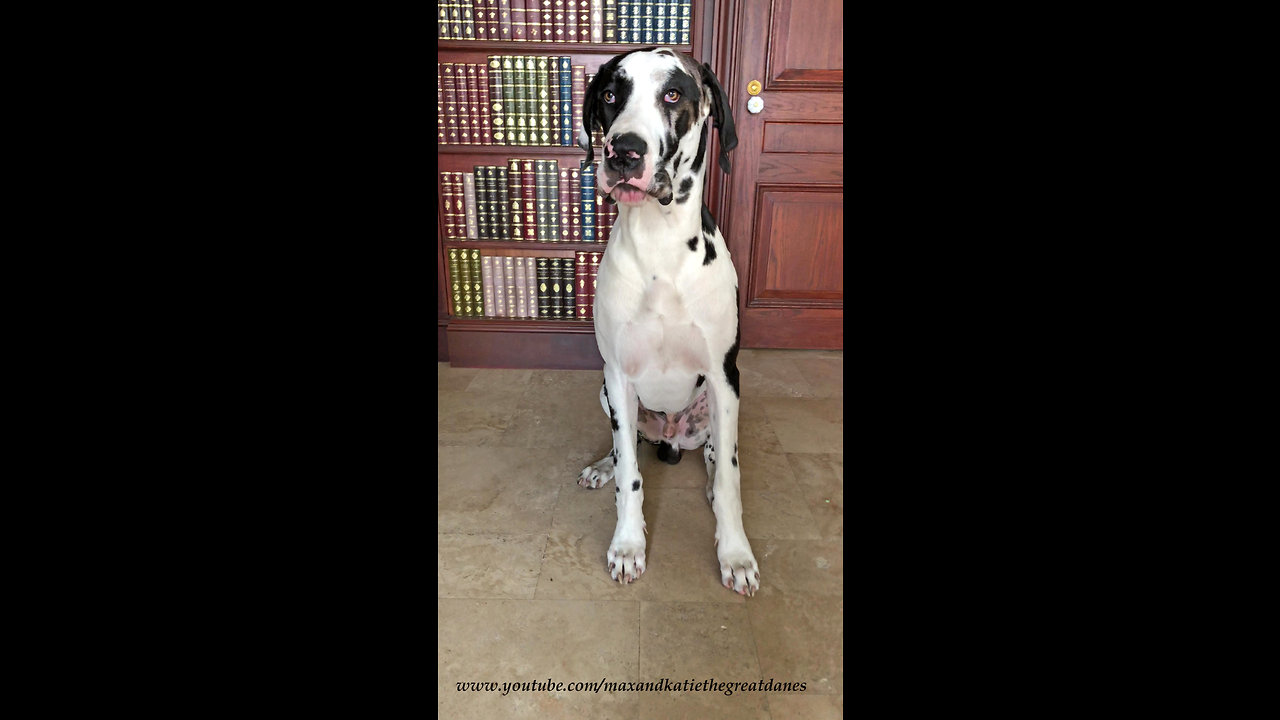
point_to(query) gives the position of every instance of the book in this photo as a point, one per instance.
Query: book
(575, 206)
(450, 92)
(581, 276)
(555, 296)
(515, 198)
(565, 102)
(553, 99)
(447, 199)
(567, 201)
(482, 203)
(533, 18)
(495, 286)
(531, 280)
(482, 101)
(440, 119)
(508, 99)
(478, 17)
(660, 22)
(469, 203)
(496, 105)
(455, 281)
(579, 80)
(685, 7)
(545, 202)
(486, 275)
(593, 273)
(455, 20)
(468, 21)
(529, 191)
(509, 286)
(584, 21)
(464, 275)
(568, 299)
(519, 27)
(476, 98)
(586, 200)
(553, 201)
(464, 103)
(443, 21)
(477, 286)
(609, 22)
(595, 22)
(544, 101)
(503, 204)
(558, 22)
(624, 21)
(522, 291)
(492, 21)
(646, 16)
(520, 101)
(544, 288)
(504, 20)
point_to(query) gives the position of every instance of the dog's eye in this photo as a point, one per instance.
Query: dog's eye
(608, 97)
(672, 96)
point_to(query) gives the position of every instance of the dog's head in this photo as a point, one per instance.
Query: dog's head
(655, 107)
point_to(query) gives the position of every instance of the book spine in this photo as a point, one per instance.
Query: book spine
(455, 20)
(553, 200)
(443, 20)
(482, 203)
(609, 22)
(594, 272)
(602, 220)
(531, 280)
(455, 281)
(440, 119)
(497, 288)
(575, 205)
(520, 96)
(493, 9)
(553, 99)
(533, 17)
(486, 275)
(522, 290)
(556, 296)
(579, 79)
(509, 288)
(496, 112)
(624, 21)
(515, 199)
(477, 287)
(477, 98)
(540, 171)
(519, 27)
(587, 201)
(660, 22)
(465, 98)
(446, 196)
(544, 288)
(450, 92)
(581, 276)
(685, 7)
(508, 99)
(464, 274)
(495, 204)
(529, 191)
(584, 21)
(567, 201)
(469, 200)
(486, 119)
(468, 21)
(544, 101)
(504, 20)
(649, 7)
(595, 22)
(478, 17)
(569, 295)
(566, 103)
(558, 22)
(503, 203)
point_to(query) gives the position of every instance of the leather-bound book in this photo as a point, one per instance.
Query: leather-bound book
(529, 190)
(565, 103)
(587, 201)
(522, 288)
(504, 20)
(543, 101)
(455, 281)
(544, 288)
(568, 294)
(519, 26)
(450, 91)
(531, 278)
(486, 120)
(567, 200)
(477, 287)
(556, 295)
(515, 199)
(509, 277)
(553, 99)
(503, 204)
(486, 276)
(579, 79)
(469, 201)
(581, 279)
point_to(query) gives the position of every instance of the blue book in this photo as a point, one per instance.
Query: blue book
(624, 21)
(660, 22)
(648, 21)
(683, 39)
(589, 203)
(565, 103)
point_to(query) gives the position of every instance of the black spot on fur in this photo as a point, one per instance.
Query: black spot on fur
(693, 244)
(702, 148)
(669, 454)
(711, 252)
(635, 486)
(701, 379)
(735, 461)
(708, 222)
(613, 416)
(686, 185)
(731, 362)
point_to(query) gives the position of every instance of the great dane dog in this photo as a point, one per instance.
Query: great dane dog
(666, 306)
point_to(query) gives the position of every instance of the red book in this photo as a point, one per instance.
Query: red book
(591, 285)
(486, 126)
(566, 201)
(562, 22)
(450, 92)
(504, 20)
(529, 196)
(440, 121)
(478, 96)
(579, 79)
(533, 19)
(584, 21)
(582, 278)
(491, 20)
(519, 25)
(575, 207)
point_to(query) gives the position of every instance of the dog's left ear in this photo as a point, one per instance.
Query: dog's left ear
(723, 115)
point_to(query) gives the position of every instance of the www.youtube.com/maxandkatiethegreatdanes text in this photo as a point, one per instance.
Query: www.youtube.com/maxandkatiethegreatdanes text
(663, 685)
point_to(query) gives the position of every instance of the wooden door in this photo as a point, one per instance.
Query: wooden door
(782, 206)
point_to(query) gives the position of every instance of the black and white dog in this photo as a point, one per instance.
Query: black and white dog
(666, 306)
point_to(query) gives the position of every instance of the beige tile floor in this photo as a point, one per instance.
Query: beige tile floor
(521, 576)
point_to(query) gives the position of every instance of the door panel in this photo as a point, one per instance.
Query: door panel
(783, 203)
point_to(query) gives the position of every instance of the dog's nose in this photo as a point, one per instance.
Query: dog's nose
(625, 152)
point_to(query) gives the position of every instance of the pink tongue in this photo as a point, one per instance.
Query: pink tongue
(627, 194)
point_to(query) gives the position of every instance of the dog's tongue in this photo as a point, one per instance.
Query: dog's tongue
(628, 194)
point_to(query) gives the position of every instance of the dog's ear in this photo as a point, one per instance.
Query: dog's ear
(591, 107)
(723, 115)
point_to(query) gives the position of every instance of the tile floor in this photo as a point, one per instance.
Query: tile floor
(521, 576)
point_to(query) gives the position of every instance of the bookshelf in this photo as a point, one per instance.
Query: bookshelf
(508, 342)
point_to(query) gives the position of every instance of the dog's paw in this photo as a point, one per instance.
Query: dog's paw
(598, 473)
(738, 570)
(626, 560)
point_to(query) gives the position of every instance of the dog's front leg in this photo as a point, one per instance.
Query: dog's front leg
(738, 569)
(626, 551)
